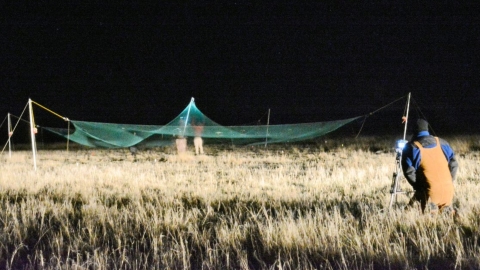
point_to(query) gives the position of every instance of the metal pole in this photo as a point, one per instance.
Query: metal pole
(68, 134)
(32, 134)
(268, 123)
(395, 185)
(10, 133)
(398, 167)
(406, 119)
(188, 114)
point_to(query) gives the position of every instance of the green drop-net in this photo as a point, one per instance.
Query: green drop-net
(192, 122)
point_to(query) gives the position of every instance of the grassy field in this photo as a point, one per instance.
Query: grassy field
(321, 205)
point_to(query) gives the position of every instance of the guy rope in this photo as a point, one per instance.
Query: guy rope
(58, 115)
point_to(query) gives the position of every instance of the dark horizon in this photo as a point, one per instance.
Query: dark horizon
(136, 63)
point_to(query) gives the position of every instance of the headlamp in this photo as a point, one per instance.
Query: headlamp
(400, 144)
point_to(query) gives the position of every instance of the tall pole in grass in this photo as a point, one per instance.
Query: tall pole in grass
(10, 133)
(188, 115)
(398, 167)
(68, 133)
(406, 117)
(268, 123)
(32, 134)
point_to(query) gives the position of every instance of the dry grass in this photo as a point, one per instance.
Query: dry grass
(316, 206)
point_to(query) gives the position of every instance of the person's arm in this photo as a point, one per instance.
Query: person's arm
(409, 164)
(452, 160)
(453, 167)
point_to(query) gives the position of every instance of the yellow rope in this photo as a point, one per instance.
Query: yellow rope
(54, 113)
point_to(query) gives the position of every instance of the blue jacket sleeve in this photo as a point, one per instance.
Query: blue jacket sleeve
(410, 163)
(452, 160)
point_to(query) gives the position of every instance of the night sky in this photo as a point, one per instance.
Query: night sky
(122, 62)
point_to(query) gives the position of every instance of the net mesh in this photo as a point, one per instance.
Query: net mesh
(191, 122)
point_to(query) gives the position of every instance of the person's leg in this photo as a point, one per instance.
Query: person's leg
(196, 142)
(432, 208)
(181, 145)
(448, 210)
(201, 146)
(420, 197)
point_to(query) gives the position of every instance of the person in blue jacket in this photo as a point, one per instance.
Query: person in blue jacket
(430, 166)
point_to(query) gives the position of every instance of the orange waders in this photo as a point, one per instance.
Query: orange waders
(438, 177)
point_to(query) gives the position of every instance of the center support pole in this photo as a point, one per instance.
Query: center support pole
(32, 134)
(188, 116)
